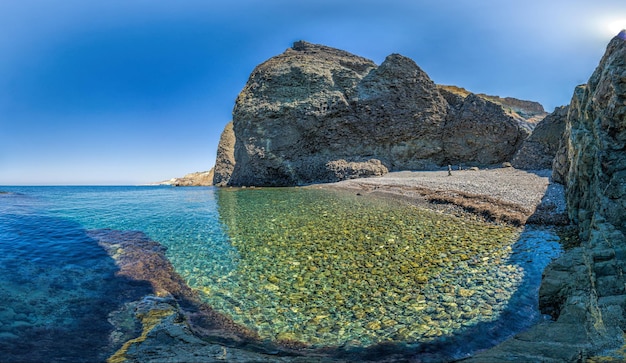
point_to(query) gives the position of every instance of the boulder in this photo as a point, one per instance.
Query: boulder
(342, 169)
(480, 132)
(540, 148)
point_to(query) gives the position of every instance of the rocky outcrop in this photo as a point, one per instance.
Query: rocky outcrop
(595, 187)
(585, 290)
(540, 148)
(225, 161)
(595, 149)
(198, 179)
(596, 145)
(313, 107)
(527, 113)
(479, 131)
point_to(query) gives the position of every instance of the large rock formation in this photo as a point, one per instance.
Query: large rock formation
(539, 150)
(595, 174)
(585, 289)
(479, 131)
(596, 146)
(225, 161)
(318, 114)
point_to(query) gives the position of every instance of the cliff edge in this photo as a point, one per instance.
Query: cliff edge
(584, 290)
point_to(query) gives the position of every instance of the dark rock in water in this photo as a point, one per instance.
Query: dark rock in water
(305, 110)
(540, 148)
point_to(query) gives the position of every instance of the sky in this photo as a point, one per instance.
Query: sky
(136, 91)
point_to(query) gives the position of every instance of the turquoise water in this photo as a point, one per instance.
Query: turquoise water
(291, 245)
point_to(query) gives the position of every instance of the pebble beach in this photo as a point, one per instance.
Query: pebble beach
(499, 194)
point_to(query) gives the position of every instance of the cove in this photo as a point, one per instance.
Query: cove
(318, 268)
(315, 271)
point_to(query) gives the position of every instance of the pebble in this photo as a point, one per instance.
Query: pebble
(359, 276)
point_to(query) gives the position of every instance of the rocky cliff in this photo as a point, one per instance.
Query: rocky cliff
(584, 290)
(319, 114)
(479, 131)
(540, 148)
(225, 160)
(596, 176)
(201, 178)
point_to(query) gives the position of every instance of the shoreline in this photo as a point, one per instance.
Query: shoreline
(501, 195)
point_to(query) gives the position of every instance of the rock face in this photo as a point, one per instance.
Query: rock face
(596, 145)
(585, 290)
(225, 161)
(201, 178)
(479, 131)
(312, 108)
(595, 150)
(540, 148)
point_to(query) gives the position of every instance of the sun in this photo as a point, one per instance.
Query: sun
(615, 26)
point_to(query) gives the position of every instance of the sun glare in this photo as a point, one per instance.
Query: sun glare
(615, 26)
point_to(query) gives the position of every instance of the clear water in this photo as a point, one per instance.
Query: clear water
(326, 269)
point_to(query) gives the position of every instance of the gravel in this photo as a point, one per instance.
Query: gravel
(531, 191)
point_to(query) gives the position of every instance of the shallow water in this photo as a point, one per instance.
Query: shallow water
(323, 268)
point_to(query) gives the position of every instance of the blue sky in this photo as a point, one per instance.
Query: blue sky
(131, 92)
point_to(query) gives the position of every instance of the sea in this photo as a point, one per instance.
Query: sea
(326, 268)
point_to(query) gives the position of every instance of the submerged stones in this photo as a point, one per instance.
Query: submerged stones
(328, 269)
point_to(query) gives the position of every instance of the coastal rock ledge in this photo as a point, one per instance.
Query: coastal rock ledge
(318, 114)
(584, 291)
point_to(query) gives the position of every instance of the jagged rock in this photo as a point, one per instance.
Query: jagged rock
(313, 105)
(596, 144)
(584, 289)
(540, 148)
(225, 161)
(526, 113)
(480, 132)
